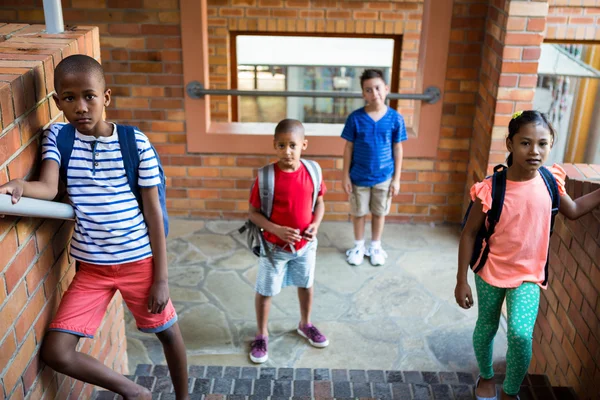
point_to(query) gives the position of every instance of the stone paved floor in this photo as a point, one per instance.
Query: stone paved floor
(401, 316)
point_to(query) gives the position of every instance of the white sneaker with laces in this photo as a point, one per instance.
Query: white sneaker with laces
(377, 256)
(355, 255)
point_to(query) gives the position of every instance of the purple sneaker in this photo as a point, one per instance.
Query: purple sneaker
(258, 349)
(315, 338)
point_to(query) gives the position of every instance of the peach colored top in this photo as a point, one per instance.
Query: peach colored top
(519, 245)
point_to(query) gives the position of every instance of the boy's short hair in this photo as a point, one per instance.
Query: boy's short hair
(289, 125)
(75, 64)
(371, 73)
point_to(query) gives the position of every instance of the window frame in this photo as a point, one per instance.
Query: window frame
(397, 52)
(204, 136)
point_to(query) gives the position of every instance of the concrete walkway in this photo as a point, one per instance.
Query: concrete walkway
(401, 316)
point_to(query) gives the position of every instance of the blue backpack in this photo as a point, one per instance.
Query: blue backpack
(481, 249)
(131, 161)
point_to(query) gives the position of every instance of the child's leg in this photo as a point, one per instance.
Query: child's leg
(490, 300)
(522, 306)
(269, 282)
(263, 307)
(377, 224)
(301, 273)
(305, 298)
(174, 350)
(134, 281)
(58, 351)
(359, 227)
(80, 313)
(359, 208)
(380, 203)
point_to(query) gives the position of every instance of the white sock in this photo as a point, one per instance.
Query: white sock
(376, 244)
(359, 243)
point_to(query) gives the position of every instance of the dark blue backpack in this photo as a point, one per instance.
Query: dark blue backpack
(481, 250)
(131, 161)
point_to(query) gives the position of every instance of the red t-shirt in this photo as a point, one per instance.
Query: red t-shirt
(292, 202)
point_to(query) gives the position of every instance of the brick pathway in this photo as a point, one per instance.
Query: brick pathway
(220, 383)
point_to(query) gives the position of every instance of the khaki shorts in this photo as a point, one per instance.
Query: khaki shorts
(376, 199)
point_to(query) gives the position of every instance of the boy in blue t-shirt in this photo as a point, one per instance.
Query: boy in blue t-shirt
(372, 164)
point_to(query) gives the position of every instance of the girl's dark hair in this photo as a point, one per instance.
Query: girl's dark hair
(523, 118)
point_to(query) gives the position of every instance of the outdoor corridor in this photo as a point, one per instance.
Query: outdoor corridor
(401, 316)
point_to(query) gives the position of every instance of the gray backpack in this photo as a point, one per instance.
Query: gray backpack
(266, 190)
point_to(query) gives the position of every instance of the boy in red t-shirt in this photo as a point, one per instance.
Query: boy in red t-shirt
(290, 234)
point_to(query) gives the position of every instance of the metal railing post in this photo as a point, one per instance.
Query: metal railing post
(53, 16)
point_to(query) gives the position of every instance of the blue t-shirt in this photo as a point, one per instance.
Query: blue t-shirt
(373, 157)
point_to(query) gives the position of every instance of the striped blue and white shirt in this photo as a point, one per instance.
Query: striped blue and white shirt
(372, 156)
(110, 227)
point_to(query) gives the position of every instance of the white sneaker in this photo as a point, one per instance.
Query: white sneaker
(377, 256)
(355, 255)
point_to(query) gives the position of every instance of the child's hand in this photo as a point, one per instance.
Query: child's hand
(14, 188)
(288, 235)
(159, 297)
(395, 187)
(463, 295)
(347, 184)
(311, 232)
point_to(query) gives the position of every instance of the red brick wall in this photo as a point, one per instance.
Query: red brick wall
(141, 50)
(508, 77)
(35, 269)
(574, 20)
(567, 333)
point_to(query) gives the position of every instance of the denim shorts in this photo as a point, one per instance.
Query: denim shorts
(290, 269)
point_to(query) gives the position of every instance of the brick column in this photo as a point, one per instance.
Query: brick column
(566, 345)
(514, 32)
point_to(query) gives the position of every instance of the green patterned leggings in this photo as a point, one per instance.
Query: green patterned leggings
(522, 306)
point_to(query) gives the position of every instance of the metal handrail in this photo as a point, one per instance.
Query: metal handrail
(28, 207)
(196, 90)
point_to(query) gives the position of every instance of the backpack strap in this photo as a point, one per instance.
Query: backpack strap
(552, 187)
(65, 139)
(131, 158)
(493, 215)
(316, 175)
(266, 189)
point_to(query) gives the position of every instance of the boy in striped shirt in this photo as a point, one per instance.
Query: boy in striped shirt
(115, 244)
(372, 164)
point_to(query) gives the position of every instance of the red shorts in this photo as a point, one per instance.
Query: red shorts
(85, 302)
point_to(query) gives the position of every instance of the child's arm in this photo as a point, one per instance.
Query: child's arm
(346, 182)
(462, 293)
(574, 209)
(45, 188)
(313, 228)
(398, 155)
(288, 235)
(159, 293)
